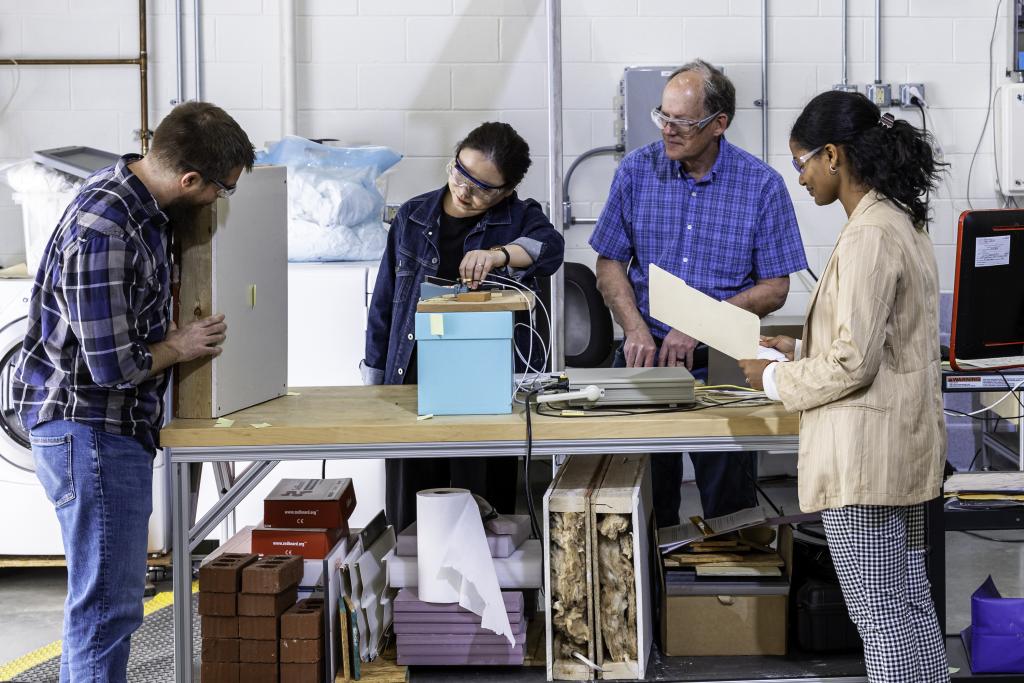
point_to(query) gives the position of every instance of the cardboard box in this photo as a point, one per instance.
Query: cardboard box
(309, 544)
(310, 503)
(724, 625)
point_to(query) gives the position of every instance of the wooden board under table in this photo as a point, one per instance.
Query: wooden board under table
(387, 414)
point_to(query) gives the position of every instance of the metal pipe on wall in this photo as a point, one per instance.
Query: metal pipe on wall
(179, 56)
(142, 61)
(878, 41)
(764, 80)
(289, 112)
(846, 78)
(198, 32)
(554, 17)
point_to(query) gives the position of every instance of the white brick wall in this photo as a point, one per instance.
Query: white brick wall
(418, 74)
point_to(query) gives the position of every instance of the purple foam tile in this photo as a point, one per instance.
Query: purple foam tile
(509, 525)
(461, 660)
(402, 629)
(443, 639)
(408, 601)
(442, 618)
(461, 650)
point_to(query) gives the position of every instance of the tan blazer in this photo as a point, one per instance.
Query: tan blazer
(867, 386)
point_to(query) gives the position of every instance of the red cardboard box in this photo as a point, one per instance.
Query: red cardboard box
(310, 504)
(310, 544)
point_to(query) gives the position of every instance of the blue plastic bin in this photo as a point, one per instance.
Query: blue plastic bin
(467, 369)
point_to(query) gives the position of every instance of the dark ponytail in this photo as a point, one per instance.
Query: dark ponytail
(888, 155)
(500, 143)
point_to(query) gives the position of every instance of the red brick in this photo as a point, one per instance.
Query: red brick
(257, 651)
(301, 673)
(301, 651)
(223, 574)
(219, 672)
(219, 627)
(272, 574)
(305, 620)
(218, 604)
(220, 650)
(251, 672)
(258, 628)
(265, 604)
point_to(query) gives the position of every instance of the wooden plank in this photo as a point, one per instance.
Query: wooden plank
(194, 379)
(384, 669)
(376, 414)
(500, 300)
(31, 561)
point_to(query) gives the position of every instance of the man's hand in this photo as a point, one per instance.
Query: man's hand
(639, 348)
(198, 338)
(477, 264)
(754, 369)
(677, 349)
(781, 343)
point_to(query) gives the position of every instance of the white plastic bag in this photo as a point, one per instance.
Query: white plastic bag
(334, 205)
(43, 195)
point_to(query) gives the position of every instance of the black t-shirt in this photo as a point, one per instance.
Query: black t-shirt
(452, 245)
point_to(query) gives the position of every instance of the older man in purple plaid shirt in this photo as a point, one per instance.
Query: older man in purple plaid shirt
(93, 368)
(720, 219)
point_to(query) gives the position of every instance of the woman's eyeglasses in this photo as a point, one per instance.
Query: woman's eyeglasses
(798, 163)
(473, 187)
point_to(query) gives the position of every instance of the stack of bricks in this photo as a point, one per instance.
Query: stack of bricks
(219, 582)
(302, 642)
(269, 588)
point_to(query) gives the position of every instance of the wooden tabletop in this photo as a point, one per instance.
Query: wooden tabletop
(387, 414)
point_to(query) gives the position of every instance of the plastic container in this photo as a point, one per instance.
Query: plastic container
(822, 620)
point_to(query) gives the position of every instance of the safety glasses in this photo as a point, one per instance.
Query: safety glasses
(798, 163)
(682, 127)
(475, 188)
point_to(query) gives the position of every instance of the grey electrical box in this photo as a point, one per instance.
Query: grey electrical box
(640, 92)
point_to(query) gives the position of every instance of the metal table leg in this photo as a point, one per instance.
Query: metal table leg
(181, 571)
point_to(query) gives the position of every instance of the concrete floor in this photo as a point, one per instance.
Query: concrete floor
(31, 600)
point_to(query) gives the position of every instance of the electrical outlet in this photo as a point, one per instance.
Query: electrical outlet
(879, 93)
(845, 87)
(906, 96)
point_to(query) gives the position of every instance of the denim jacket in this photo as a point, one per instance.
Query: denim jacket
(412, 255)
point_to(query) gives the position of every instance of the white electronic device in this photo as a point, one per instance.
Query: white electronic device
(1009, 140)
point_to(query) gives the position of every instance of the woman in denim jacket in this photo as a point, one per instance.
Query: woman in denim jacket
(473, 226)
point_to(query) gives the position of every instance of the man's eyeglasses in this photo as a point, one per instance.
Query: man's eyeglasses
(475, 188)
(682, 127)
(798, 163)
(223, 191)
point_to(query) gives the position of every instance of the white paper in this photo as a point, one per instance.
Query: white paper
(766, 353)
(992, 251)
(721, 325)
(454, 560)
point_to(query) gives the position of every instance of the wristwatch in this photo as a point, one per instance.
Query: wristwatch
(503, 250)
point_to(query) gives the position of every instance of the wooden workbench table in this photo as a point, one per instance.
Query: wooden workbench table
(380, 422)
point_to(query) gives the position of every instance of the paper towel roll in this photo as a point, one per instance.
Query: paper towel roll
(454, 560)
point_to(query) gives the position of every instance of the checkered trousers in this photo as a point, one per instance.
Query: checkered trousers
(879, 554)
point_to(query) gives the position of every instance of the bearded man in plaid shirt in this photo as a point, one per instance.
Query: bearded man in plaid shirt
(94, 367)
(715, 216)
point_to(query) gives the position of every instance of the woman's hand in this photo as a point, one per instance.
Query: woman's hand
(753, 368)
(781, 343)
(477, 264)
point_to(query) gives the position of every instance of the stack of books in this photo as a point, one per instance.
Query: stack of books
(984, 490)
(444, 634)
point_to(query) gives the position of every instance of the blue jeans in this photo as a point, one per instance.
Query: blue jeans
(725, 480)
(101, 485)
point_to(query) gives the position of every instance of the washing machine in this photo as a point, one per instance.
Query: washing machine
(31, 524)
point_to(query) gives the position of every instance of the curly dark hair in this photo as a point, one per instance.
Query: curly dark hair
(500, 143)
(896, 161)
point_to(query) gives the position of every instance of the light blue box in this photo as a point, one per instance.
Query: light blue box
(467, 370)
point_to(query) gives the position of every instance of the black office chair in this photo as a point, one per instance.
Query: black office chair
(586, 320)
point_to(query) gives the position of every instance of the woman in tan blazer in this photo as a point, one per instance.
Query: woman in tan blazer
(865, 377)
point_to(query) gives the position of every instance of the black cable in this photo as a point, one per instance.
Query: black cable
(991, 538)
(982, 417)
(323, 469)
(811, 273)
(916, 101)
(970, 468)
(534, 526)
